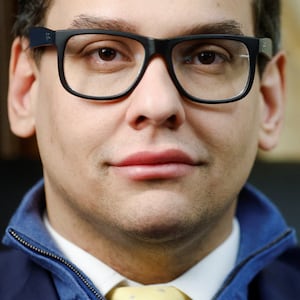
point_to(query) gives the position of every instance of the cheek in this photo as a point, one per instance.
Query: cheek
(61, 129)
(228, 129)
(73, 130)
(230, 135)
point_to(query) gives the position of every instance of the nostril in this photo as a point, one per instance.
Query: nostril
(140, 122)
(172, 119)
(140, 119)
(172, 122)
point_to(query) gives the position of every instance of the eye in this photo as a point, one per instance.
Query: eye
(108, 58)
(206, 57)
(110, 52)
(107, 54)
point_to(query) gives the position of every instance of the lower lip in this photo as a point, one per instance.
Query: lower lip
(154, 172)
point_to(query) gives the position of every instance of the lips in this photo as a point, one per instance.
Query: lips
(147, 165)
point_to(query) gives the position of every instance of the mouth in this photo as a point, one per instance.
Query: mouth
(147, 165)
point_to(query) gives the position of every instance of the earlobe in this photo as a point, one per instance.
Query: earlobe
(273, 102)
(20, 91)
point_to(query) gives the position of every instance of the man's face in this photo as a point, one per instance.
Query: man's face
(153, 165)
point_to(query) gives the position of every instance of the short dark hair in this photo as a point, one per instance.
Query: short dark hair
(267, 20)
(30, 13)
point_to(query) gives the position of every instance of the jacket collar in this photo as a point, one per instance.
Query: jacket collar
(264, 236)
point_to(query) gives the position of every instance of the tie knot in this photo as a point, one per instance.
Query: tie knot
(146, 293)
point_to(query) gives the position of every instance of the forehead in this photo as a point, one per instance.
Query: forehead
(156, 18)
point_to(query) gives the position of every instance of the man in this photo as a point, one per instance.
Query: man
(148, 127)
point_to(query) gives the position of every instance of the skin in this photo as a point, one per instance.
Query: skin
(149, 223)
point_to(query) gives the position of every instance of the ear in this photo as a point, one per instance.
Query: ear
(273, 102)
(20, 91)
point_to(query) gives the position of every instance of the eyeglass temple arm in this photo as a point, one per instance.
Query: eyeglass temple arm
(41, 36)
(266, 47)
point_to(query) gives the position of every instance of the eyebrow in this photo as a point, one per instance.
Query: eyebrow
(91, 22)
(224, 27)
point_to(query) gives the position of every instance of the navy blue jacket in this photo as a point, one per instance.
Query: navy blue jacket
(268, 264)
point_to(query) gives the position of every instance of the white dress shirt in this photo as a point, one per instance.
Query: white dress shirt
(201, 282)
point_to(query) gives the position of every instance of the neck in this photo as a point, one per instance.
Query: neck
(153, 264)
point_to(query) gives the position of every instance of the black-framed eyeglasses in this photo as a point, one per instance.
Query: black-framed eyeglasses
(108, 65)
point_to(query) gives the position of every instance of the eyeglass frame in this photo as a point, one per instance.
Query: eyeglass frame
(43, 37)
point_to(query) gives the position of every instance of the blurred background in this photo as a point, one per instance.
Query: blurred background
(276, 173)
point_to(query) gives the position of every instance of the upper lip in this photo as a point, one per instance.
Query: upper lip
(156, 158)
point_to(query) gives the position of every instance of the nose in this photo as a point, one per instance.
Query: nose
(155, 101)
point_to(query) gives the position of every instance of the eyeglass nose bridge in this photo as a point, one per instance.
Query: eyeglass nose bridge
(157, 46)
(161, 48)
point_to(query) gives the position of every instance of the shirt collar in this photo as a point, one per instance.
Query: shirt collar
(201, 282)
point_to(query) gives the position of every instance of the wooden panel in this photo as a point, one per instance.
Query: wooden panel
(9, 145)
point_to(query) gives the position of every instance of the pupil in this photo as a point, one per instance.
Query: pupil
(207, 58)
(107, 54)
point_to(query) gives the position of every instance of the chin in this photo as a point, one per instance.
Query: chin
(161, 231)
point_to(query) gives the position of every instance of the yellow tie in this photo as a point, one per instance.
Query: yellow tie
(146, 293)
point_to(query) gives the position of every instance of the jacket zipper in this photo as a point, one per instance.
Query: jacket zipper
(58, 259)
